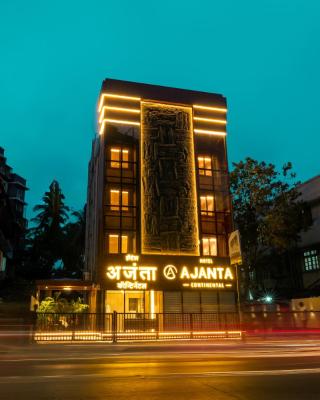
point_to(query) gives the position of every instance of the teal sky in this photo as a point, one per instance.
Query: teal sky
(264, 56)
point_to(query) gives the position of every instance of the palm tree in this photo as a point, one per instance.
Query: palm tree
(46, 240)
(53, 213)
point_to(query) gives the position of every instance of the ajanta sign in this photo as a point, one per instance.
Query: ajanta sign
(137, 275)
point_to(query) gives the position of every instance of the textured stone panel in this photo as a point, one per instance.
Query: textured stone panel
(168, 191)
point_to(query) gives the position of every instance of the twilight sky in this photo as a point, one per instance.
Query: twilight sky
(264, 56)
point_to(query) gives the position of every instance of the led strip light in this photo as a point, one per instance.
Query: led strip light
(208, 132)
(218, 109)
(116, 96)
(210, 120)
(120, 109)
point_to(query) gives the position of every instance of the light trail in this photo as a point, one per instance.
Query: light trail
(172, 375)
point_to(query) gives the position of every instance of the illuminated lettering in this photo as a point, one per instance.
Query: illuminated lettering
(136, 276)
(211, 285)
(132, 272)
(203, 273)
(220, 272)
(184, 273)
(228, 274)
(148, 273)
(131, 285)
(131, 257)
(113, 272)
(195, 273)
(205, 261)
(212, 273)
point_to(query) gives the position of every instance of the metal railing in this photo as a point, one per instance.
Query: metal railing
(115, 327)
(280, 321)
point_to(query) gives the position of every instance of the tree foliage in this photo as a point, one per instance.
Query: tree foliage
(267, 210)
(52, 212)
(59, 304)
(55, 239)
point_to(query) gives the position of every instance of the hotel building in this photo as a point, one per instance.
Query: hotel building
(158, 206)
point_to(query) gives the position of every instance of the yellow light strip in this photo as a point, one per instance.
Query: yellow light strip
(87, 335)
(210, 120)
(121, 121)
(121, 109)
(152, 305)
(206, 132)
(218, 109)
(116, 96)
(116, 121)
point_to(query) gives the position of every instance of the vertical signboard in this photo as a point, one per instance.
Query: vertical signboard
(235, 248)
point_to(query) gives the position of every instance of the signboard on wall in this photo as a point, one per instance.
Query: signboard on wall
(235, 248)
(172, 274)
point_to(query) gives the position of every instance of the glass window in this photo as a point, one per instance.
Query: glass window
(205, 165)
(125, 201)
(119, 158)
(114, 200)
(311, 260)
(115, 158)
(209, 246)
(124, 244)
(206, 205)
(125, 158)
(113, 244)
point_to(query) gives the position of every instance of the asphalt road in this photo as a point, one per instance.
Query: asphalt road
(217, 371)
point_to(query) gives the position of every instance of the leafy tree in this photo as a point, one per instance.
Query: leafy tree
(59, 304)
(74, 244)
(267, 211)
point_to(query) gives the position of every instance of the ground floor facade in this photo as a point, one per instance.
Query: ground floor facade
(157, 301)
(167, 284)
(138, 297)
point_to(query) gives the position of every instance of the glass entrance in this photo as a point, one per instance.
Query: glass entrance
(136, 302)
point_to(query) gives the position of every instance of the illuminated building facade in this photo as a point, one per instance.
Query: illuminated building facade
(158, 207)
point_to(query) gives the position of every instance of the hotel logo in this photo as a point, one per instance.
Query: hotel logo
(170, 272)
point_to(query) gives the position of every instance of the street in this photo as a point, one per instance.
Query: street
(220, 371)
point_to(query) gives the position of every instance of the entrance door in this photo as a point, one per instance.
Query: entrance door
(135, 302)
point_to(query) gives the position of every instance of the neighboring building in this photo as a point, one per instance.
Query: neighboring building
(310, 240)
(158, 206)
(12, 217)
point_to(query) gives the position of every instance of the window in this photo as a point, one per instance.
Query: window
(209, 246)
(205, 165)
(115, 246)
(206, 205)
(125, 201)
(119, 158)
(124, 244)
(125, 158)
(115, 200)
(311, 261)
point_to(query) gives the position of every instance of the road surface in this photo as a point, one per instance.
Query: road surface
(186, 371)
